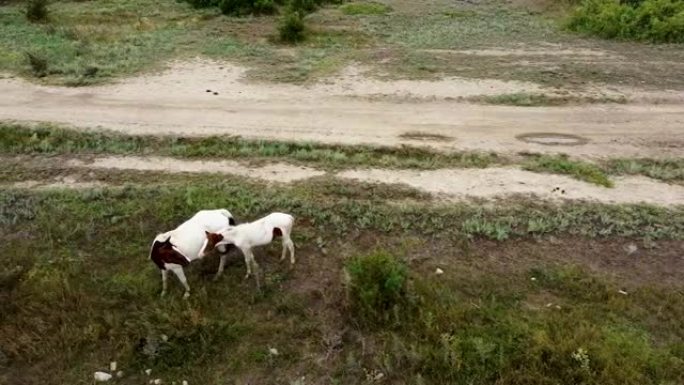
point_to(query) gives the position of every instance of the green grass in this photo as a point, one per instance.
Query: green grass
(669, 170)
(48, 139)
(590, 339)
(561, 164)
(78, 291)
(358, 8)
(524, 99)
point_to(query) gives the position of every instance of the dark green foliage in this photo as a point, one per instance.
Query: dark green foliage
(38, 64)
(660, 21)
(246, 7)
(36, 10)
(291, 27)
(377, 288)
(203, 3)
(304, 6)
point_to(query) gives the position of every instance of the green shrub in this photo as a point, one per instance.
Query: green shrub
(660, 21)
(377, 287)
(36, 10)
(303, 6)
(246, 7)
(291, 28)
(38, 64)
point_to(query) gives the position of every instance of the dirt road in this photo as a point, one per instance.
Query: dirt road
(350, 109)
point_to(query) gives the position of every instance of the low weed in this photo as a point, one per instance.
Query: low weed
(535, 100)
(561, 164)
(37, 64)
(669, 170)
(48, 139)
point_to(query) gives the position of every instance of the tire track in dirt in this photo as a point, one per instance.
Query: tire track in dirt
(175, 102)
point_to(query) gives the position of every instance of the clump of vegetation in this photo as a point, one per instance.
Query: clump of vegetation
(291, 28)
(37, 10)
(561, 164)
(364, 9)
(247, 7)
(669, 170)
(660, 21)
(377, 287)
(50, 139)
(38, 64)
(524, 99)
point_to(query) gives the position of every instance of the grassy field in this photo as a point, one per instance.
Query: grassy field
(79, 292)
(96, 41)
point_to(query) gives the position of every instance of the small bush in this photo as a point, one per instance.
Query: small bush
(303, 6)
(291, 28)
(660, 21)
(38, 64)
(247, 7)
(36, 10)
(377, 287)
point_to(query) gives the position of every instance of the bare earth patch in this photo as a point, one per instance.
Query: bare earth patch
(276, 172)
(451, 184)
(493, 183)
(176, 102)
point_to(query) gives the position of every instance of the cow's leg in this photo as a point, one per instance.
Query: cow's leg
(178, 270)
(164, 275)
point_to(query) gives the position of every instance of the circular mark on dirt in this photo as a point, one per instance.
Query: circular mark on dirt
(552, 139)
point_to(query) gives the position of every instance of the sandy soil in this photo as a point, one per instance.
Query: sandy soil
(337, 111)
(494, 183)
(450, 184)
(275, 172)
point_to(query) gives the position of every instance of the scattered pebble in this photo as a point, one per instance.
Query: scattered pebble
(185, 382)
(215, 93)
(119, 373)
(622, 292)
(208, 90)
(148, 371)
(549, 304)
(112, 366)
(102, 376)
(164, 337)
(533, 279)
(157, 381)
(273, 351)
(631, 249)
(558, 307)
(439, 271)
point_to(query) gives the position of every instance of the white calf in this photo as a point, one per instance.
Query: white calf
(248, 235)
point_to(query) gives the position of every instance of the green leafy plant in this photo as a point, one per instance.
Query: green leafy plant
(377, 287)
